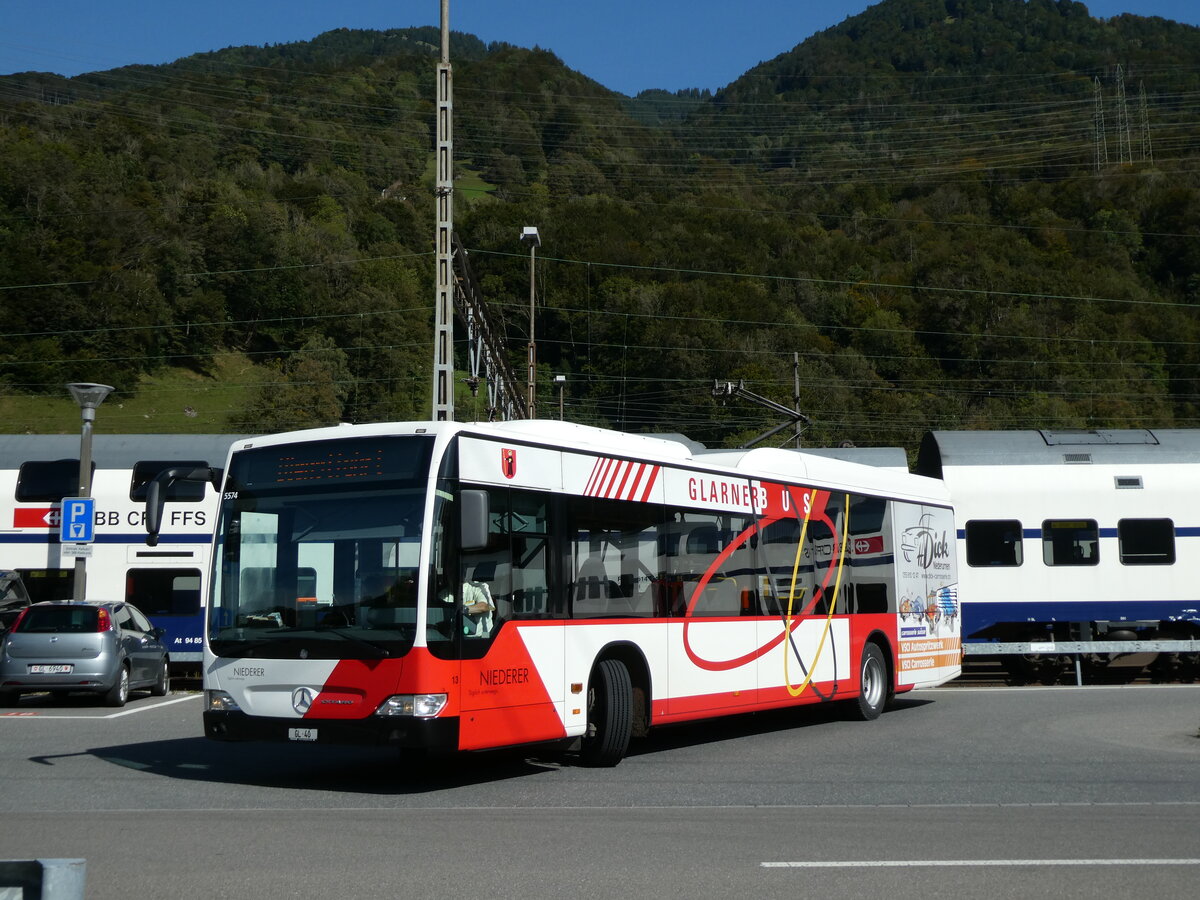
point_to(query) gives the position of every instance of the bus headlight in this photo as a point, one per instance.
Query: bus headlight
(220, 701)
(421, 706)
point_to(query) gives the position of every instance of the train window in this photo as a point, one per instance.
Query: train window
(146, 471)
(48, 481)
(1146, 542)
(1070, 542)
(164, 592)
(49, 584)
(994, 543)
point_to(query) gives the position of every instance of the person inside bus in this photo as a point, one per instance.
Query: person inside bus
(477, 606)
(478, 609)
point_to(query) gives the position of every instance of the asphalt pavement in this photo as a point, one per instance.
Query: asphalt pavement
(1003, 792)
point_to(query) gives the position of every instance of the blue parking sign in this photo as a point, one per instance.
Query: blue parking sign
(77, 524)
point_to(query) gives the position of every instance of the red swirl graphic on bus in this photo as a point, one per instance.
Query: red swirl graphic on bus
(805, 507)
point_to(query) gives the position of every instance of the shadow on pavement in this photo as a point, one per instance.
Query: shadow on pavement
(389, 771)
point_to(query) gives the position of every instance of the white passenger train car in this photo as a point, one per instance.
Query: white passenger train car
(167, 581)
(1074, 535)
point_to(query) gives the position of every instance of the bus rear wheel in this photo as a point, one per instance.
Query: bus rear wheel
(610, 715)
(873, 683)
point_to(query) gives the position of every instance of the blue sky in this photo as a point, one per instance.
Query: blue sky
(626, 45)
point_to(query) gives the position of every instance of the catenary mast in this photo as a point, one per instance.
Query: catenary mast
(443, 338)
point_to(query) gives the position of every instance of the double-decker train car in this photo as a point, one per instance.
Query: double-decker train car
(167, 581)
(1077, 539)
(1068, 541)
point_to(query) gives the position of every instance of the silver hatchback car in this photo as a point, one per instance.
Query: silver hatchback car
(99, 646)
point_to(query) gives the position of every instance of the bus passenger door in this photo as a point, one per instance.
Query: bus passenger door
(512, 658)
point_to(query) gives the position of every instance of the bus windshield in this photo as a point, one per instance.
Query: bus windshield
(317, 550)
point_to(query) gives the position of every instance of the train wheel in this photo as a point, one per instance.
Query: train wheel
(1181, 667)
(610, 715)
(873, 678)
(1034, 668)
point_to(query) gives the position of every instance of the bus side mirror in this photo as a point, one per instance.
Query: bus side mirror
(156, 493)
(154, 511)
(473, 519)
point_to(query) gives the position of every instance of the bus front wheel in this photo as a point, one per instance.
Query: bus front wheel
(610, 715)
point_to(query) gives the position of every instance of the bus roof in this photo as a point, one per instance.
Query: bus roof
(888, 475)
(828, 471)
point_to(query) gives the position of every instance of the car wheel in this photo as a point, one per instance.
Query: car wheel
(9, 698)
(119, 693)
(162, 684)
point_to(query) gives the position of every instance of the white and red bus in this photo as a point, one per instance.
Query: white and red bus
(459, 587)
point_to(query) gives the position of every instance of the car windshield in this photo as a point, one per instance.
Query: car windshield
(78, 619)
(317, 550)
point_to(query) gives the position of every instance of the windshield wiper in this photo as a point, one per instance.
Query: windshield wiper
(287, 634)
(262, 637)
(245, 646)
(353, 638)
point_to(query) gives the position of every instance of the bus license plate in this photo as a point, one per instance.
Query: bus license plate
(302, 734)
(46, 669)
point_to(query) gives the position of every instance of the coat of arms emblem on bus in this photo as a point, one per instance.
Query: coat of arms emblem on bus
(508, 462)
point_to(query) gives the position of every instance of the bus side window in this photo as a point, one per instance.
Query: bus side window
(872, 598)
(529, 588)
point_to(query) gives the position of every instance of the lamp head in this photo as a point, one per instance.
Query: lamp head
(89, 395)
(529, 234)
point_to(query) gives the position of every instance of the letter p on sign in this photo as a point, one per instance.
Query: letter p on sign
(78, 520)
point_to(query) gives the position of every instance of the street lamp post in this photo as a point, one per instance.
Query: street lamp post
(529, 234)
(88, 396)
(561, 381)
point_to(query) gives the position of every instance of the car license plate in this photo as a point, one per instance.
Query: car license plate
(47, 669)
(302, 734)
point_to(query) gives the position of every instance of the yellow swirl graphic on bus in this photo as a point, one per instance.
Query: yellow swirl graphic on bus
(837, 586)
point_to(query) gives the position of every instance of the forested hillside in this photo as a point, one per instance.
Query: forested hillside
(958, 213)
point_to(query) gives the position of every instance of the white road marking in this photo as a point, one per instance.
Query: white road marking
(970, 863)
(38, 713)
(951, 688)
